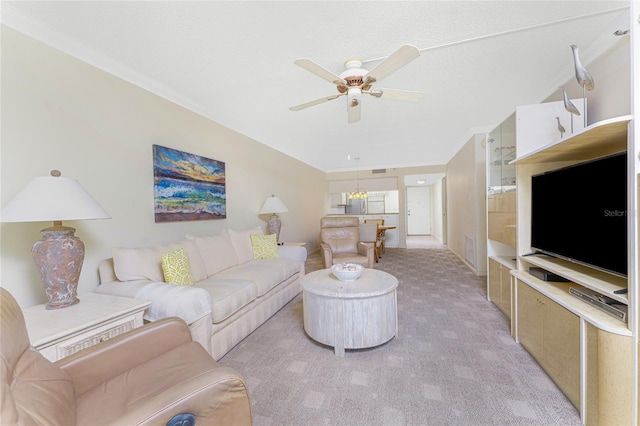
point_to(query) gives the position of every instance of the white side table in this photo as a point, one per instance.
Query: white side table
(98, 317)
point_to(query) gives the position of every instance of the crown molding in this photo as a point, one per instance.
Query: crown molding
(39, 31)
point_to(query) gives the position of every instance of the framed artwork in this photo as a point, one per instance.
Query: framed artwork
(187, 186)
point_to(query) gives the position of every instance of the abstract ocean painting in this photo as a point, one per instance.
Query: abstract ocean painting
(187, 186)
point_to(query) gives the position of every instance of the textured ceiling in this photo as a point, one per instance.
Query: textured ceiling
(234, 63)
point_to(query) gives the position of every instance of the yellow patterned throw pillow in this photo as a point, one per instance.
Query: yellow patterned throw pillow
(264, 246)
(175, 266)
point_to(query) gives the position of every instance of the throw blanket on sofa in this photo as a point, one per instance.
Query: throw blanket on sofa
(170, 300)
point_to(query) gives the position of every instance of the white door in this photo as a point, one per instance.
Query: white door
(418, 210)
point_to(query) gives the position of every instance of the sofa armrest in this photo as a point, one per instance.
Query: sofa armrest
(169, 300)
(96, 364)
(293, 252)
(327, 254)
(106, 271)
(219, 396)
(367, 249)
(164, 372)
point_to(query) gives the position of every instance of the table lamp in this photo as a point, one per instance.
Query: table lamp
(59, 254)
(272, 206)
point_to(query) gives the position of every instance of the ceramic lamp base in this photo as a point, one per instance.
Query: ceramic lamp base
(59, 256)
(273, 226)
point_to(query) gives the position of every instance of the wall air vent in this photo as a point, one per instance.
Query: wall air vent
(377, 171)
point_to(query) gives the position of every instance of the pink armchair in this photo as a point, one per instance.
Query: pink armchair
(146, 376)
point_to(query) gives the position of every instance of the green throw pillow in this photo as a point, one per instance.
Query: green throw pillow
(264, 246)
(175, 266)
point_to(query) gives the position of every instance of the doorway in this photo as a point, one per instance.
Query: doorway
(425, 209)
(418, 210)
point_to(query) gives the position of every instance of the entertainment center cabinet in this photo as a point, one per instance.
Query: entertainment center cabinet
(501, 283)
(501, 214)
(587, 352)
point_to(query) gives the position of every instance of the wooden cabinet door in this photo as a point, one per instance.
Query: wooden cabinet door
(495, 291)
(505, 285)
(501, 211)
(530, 320)
(561, 334)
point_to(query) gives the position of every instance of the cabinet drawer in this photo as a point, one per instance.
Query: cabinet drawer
(62, 348)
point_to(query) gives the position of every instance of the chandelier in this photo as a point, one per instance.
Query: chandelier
(358, 193)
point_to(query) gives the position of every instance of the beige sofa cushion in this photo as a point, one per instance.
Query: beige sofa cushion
(241, 241)
(227, 296)
(145, 263)
(265, 274)
(216, 251)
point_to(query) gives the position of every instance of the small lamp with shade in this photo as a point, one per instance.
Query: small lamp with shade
(272, 206)
(59, 254)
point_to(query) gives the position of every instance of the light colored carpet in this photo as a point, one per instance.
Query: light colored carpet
(452, 363)
(424, 241)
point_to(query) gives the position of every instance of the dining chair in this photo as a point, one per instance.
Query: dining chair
(369, 234)
(381, 234)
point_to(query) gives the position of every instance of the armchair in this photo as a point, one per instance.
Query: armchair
(340, 242)
(146, 376)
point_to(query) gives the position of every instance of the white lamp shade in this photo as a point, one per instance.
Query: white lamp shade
(273, 205)
(52, 198)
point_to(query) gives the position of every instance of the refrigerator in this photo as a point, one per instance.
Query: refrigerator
(356, 206)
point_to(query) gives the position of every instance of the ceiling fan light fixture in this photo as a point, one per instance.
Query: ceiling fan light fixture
(353, 96)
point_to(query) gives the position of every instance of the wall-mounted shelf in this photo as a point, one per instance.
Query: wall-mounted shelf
(600, 139)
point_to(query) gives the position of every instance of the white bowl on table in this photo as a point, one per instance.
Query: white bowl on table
(347, 271)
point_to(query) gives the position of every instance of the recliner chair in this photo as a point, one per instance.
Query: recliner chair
(146, 376)
(340, 242)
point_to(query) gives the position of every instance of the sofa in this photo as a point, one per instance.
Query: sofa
(239, 280)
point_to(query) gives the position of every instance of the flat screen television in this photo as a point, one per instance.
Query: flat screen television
(579, 213)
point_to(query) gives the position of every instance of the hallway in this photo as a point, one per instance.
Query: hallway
(424, 242)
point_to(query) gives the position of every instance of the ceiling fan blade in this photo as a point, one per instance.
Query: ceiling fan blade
(397, 60)
(397, 95)
(314, 103)
(321, 72)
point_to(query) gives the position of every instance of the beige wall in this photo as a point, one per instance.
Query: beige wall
(611, 96)
(58, 112)
(466, 204)
(437, 210)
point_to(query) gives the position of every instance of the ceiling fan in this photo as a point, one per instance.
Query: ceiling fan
(355, 81)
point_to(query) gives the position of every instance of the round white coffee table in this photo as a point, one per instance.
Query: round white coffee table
(350, 314)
